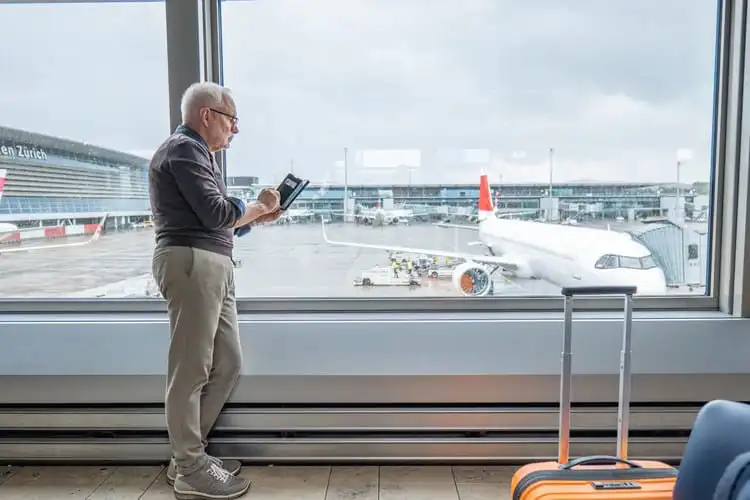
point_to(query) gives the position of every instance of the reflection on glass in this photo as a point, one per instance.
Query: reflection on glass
(549, 137)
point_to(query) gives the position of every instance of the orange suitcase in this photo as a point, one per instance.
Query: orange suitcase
(595, 477)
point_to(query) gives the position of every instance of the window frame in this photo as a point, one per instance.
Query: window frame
(194, 53)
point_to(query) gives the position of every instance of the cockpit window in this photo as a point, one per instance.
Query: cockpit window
(630, 262)
(607, 262)
(622, 262)
(648, 262)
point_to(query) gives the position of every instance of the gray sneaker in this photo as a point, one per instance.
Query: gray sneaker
(233, 466)
(210, 482)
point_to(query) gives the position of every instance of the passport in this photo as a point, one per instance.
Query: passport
(291, 187)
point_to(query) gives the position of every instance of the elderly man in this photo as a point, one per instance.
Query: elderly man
(195, 223)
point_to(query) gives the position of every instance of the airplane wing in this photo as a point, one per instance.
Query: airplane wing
(21, 230)
(504, 214)
(93, 238)
(456, 226)
(347, 214)
(499, 215)
(484, 259)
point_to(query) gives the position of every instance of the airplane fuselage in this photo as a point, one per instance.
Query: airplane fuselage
(378, 217)
(566, 255)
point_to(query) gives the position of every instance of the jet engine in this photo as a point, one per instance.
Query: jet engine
(472, 279)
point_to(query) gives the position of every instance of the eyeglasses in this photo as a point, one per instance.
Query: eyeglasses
(233, 118)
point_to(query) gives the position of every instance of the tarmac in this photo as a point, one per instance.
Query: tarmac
(282, 261)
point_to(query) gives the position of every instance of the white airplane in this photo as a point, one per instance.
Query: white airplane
(296, 215)
(560, 254)
(380, 216)
(7, 230)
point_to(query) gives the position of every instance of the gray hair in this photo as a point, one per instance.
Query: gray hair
(201, 95)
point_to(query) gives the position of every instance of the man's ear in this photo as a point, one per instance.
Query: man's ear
(204, 112)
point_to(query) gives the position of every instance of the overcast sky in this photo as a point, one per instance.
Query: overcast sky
(616, 87)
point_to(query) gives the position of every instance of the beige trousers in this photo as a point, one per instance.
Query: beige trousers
(205, 356)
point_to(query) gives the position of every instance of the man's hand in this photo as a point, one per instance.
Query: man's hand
(254, 210)
(270, 200)
(269, 217)
(268, 203)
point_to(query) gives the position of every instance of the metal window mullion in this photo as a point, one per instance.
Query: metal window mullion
(741, 289)
(728, 121)
(212, 56)
(183, 49)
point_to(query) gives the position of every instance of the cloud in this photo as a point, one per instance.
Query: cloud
(615, 87)
(94, 73)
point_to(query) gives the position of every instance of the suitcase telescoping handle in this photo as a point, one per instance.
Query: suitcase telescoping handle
(566, 378)
(599, 460)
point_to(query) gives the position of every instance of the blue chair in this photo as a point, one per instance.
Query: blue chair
(720, 433)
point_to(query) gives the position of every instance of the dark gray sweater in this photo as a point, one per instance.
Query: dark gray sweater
(189, 200)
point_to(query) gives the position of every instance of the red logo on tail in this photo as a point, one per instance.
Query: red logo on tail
(485, 198)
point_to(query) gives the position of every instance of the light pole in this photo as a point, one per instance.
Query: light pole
(551, 163)
(683, 155)
(678, 192)
(346, 180)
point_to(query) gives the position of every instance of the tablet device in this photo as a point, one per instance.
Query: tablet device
(291, 187)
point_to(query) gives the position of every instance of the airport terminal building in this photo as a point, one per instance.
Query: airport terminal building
(582, 201)
(51, 178)
(54, 179)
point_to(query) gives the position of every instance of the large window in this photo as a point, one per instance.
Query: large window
(488, 148)
(592, 121)
(83, 103)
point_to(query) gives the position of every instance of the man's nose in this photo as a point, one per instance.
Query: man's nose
(236, 128)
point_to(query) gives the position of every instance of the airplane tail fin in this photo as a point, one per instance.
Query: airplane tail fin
(486, 208)
(3, 175)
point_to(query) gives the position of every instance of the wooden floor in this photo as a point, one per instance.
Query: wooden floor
(281, 482)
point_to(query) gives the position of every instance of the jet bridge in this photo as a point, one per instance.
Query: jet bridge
(679, 250)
